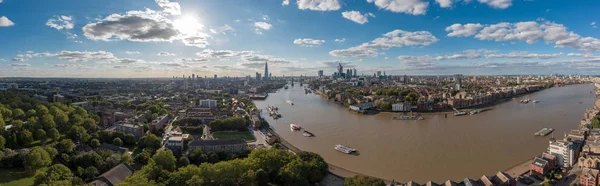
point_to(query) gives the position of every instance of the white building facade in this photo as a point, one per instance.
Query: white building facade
(564, 151)
(207, 103)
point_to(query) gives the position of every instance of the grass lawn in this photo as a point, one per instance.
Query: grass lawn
(15, 177)
(246, 135)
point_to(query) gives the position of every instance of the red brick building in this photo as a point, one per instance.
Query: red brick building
(588, 177)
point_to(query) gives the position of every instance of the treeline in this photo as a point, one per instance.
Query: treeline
(262, 167)
(228, 124)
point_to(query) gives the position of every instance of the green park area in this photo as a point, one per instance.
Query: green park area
(15, 177)
(246, 135)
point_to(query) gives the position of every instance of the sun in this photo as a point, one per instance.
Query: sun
(187, 24)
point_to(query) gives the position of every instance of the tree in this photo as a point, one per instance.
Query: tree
(90, 172)
(2, 142)
(89, 124)
(318, 167)
(2, 123)
(36, 159)
(294, 173)
(94, 143)
(142, 158)
(52, 152)
(360, 180)
(48, 121)
(117, 142)
(40, 134)
(150, 141)
(78, 133)
(30, 113)
(65, 145)
(61, 119)
(18, 114)
(197, 156)
(54, 174)
(42, 110)
(53, 134)
(129, 139)
(165, 160)
(25, 137)
(183, 161)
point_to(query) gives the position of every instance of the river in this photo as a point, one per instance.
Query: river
(437, 148)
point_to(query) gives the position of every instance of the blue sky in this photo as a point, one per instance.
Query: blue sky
(164, 38)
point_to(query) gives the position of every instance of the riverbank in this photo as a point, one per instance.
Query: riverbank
(337, 173)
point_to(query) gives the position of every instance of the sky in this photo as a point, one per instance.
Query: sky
(165, 38)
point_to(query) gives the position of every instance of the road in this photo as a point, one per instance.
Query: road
(166, 133)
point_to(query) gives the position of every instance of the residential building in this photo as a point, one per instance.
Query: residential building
(255, 121)
(159, 123)
(401, 107)
(136, 130)
(361, 107)
(590, 161)
(564, 151)
(207, 103)
(113, 176)
(320, 73)
(175, 142)
(228, 145)
(58, 98)
(588, 177)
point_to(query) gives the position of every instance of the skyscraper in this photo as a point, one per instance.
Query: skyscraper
(458, 79)
(266, 77)
(340, 69)
(257, 76)
(320, 73)
(355, 74)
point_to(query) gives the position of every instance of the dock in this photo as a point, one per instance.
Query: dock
(544, 132)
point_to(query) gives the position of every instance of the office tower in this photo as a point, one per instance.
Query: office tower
(257, 76)
(458, 80)
(266, 72)
(355, 74)
(320, 73)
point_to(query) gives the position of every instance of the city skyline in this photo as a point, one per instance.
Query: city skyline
(165, 38)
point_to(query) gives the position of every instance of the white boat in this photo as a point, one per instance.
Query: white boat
(344, 149)
(295, 127)
(290, 102)
(460, 113)
(536, 101)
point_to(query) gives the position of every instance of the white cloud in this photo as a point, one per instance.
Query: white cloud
(499, 4)
(79, 56)
(165, 54)
(132, 52)
(60, 22)
(207, 53)
(20, 65)
(530, 32)
(357, 17)
(593, 24)
(139, 26)
(263, 25)
(265, 18)
(396, 38)
(285, 2)
(340, 40)
(172, 8)
(71, 35)
(412, 7)
(319, 5)
(263, 58)
(458, 30)
(444, 3)
(524, 55)
(191, 60)
(307, 42)
(5, 22)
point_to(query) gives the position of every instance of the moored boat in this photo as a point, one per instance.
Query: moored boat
(460, 113)
(295, 127)
(407, 118)
(344, 149)
(307, 134)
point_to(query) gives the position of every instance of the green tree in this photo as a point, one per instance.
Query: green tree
(90, 172)
(52, 152)
(596, 122)
(61, 119)
(165, 160)
(2, 142)
(42, 110)
(36, 159)
(65, 145)
(53, 175)
(30, 113)
(94, 143)
(117, 142)
(294, 173)
(89, 124)
(40, 134)
(78, 133)
(48, 121)
(318, 167)
(18, 114)
(2, 123)
(25, 137)
(363, 180)
(53, 134)
(150, 141)
(142, 158)
(129, 139)
(183, 161)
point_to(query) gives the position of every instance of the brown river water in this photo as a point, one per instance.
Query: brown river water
(437, 148)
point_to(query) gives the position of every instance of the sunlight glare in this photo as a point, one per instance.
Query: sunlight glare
(188, 25)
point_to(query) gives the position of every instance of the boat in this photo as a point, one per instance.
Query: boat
(460, 113)
(344, 149)
(290, 102)
(295, 127)
(536, 101)
(407, 118)
(308, 134)
(286, 87)
(477, 111)
(525, 101)
(544, 132)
